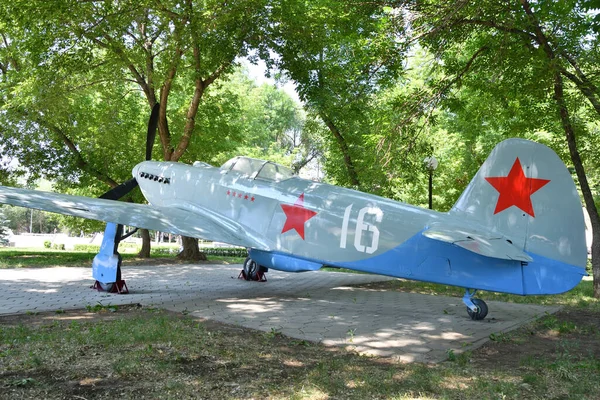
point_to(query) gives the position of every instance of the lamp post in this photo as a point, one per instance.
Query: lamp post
(431, 163)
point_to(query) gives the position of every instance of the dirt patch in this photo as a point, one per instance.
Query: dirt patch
(136, 352)
(571, 334)
(35, 319)
(220, 361)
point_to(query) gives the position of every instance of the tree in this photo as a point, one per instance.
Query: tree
(271, 124)
(60, 120)
(3, 227)
(543, 54)
(156, 47)
(338, 54)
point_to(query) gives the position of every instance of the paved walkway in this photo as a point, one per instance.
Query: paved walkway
(315, 306)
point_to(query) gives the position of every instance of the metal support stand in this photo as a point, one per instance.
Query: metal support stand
(258, 277)
(119, 287)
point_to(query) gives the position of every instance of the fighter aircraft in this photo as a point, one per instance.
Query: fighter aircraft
(517, 228)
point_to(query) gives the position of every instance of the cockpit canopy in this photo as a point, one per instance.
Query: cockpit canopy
(259, 169)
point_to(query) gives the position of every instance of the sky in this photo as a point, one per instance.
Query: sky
(258, 73)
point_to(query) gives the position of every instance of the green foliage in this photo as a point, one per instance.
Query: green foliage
(47, 244)
(94, 248)
(225, 251)
(89, 248)
(156, 251)
(27, 258)
(499, 337)
(72, 74)
(257, 121)
(169, 250)
(22, 219)
(3, 227)
(334, 52)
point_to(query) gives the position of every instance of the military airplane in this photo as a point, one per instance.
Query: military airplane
(517, 228)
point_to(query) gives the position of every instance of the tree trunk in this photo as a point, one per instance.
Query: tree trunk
(588, 197)
(191, 251)
(145, 251)
(344, 149)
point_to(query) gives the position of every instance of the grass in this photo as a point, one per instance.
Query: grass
(40, 258)
(133, 352)
(580, 296)
(137, 353)
(227, 260)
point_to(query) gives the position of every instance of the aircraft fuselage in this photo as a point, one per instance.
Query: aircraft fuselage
(309, 224)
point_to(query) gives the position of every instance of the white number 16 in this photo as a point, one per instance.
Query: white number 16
(361, 227)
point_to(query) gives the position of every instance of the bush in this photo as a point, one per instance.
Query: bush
(170, 250)
(163, 251)
(90, 248)
(58, 246)
(225, 251)
(47, 244)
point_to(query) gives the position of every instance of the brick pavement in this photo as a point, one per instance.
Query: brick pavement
(316, 306)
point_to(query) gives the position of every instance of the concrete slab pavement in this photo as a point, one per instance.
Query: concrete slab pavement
(315, 306)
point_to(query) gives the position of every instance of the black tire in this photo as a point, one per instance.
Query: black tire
(263, 269)
(482, 310)
(250, 269)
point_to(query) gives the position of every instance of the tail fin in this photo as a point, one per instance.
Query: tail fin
(525, 192)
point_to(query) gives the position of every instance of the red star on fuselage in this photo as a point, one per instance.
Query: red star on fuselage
(516, 189)
(297, 216)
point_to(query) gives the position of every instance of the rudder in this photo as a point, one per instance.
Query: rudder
(525, 192)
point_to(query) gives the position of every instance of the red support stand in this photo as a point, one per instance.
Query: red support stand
(259, 277)
(119, 287)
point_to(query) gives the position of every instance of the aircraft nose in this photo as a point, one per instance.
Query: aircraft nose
(135, 171)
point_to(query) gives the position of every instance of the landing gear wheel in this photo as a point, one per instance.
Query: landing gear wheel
(250, 269)
(482, 310)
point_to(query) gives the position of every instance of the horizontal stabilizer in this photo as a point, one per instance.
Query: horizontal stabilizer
(489, 245)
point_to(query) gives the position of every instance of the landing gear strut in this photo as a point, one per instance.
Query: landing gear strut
(252, 271)
(476, 308)
(106, 266)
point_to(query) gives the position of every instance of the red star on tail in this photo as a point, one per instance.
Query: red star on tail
(516, 189)
(296, 215)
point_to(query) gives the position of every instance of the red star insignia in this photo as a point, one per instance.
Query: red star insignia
(252, 198)
(246, 197)
(297, 216)
(240, 195)
(516, 189)
(234, 193)
(228, 192)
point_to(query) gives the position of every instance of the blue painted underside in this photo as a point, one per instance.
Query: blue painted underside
(283, 262)
(424, 259)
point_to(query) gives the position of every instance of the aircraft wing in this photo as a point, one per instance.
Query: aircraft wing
(200, 223)
(488, 245)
